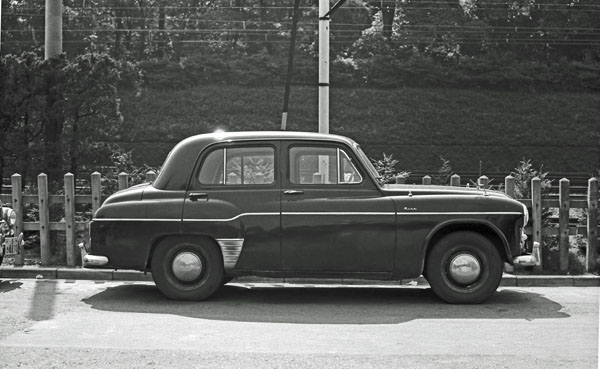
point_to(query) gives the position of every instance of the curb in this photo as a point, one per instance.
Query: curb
(73, 274)
(508, 280)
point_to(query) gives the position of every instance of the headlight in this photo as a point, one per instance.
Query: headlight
(526, 214)
(12, 217)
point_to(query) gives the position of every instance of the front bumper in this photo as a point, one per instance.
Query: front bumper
(525, 260)
(529, 260)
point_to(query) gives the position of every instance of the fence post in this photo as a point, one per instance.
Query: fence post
(455, 180)
(70, 219)
(563, 225)
(96, 192)
(482, 182)
(123, 181)
(150, 176)
(44, 218)
(592, 225)
(509, 186)
(426, 180)
(17, 205)
(536, 215)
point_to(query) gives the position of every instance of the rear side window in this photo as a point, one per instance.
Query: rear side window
(238, 166)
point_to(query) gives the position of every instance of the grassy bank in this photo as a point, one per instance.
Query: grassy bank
(467, 127)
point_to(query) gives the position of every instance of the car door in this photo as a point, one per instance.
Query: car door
(234, 197)
(334, 218)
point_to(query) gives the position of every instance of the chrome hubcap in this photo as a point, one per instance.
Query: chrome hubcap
(187, 266)
(465, 269)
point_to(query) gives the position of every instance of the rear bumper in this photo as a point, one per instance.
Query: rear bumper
(92, 261)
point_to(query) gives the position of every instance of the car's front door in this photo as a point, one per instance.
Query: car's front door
(334, 218)
(234, 197)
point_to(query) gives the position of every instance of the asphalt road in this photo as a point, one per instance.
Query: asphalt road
(87, 324)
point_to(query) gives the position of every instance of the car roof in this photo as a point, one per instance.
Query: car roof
(181, 159)
(266, 135)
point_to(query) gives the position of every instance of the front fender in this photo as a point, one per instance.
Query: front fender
(482, 226)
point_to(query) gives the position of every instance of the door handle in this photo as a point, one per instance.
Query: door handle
(293, 192)
(195, 196)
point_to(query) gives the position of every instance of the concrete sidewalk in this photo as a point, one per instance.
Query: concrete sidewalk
(508, 280)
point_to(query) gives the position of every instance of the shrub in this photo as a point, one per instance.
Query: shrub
(386, 167)
(523, 174)
(123, 163)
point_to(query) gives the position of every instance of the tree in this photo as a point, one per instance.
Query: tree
(50, 105)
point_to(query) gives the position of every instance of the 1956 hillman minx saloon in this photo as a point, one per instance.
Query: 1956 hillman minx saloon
(291, 204)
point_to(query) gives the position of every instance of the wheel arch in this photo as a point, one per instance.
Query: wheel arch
(487, 229)
(181, 237)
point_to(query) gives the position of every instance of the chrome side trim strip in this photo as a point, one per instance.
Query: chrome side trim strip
(337, 213)
(462, 213)
(230, 219)
(231, 248)
(311, 213)
(134, 220)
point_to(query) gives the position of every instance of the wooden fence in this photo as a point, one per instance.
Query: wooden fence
(536, 204)
(68, 224)
(563, 203)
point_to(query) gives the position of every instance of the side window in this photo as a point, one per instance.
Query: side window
(322, 165)
(238, 166)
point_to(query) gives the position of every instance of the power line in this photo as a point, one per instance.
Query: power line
(274, 32)
(484, 7)
(490, 42)
(336, 25)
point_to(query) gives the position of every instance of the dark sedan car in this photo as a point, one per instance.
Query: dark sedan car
(291, 204)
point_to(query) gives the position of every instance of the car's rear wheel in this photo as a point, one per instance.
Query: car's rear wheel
(464, 268)
(186, 270)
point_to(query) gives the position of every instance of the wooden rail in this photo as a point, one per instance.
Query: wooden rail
(70, 199)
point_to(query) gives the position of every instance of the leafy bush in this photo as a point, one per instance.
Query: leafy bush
(386, 167)
(523, 174)
(444, 173)
(123, 163)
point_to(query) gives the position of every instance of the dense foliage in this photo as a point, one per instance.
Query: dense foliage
(57, 113)
(472, 129)
(386, 55)
(507, 44)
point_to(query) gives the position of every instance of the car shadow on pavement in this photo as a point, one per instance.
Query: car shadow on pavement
(311, 305)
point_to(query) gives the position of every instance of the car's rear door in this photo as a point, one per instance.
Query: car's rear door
(234, 197)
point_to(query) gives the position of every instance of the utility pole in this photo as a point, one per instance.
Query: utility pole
(53, 123)
(286, 97)
(324, 66)
(0, 27)
(53, 37)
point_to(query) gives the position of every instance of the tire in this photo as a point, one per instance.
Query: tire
(187, 270)
(476, 280)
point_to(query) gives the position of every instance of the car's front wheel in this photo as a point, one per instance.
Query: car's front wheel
(187, 270)
(464, 268)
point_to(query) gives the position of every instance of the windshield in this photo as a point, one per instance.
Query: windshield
(367, 163)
